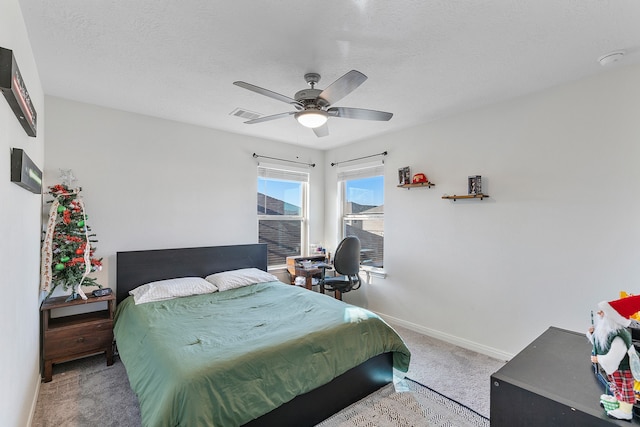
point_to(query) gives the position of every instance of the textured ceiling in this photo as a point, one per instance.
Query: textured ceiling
(425, 59)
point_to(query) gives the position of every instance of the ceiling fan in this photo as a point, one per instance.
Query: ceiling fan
(314, 105)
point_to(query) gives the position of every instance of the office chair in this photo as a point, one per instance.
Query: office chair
(346, 262)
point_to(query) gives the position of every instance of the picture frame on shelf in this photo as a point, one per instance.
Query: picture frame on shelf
(474, 184)
(404, 175)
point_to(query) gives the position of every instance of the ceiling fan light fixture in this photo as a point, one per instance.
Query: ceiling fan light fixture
(312, 118)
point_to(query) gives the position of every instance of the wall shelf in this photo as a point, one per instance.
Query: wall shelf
(467, 196)
(420, 184)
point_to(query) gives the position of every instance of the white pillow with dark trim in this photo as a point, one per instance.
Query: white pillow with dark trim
(238, 278)
(171, 288)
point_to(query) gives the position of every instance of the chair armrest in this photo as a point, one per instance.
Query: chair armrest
(324, 265)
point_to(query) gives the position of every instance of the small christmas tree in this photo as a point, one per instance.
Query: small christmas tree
(67, 250)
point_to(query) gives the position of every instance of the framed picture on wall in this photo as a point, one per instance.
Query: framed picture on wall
(404, 175)
(14, 89)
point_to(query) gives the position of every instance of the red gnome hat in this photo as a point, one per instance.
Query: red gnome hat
(620, 310)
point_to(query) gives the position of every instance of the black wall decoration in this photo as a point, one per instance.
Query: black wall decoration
(24, 172)
(15, 91)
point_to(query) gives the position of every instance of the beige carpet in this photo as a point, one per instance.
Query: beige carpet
(86, 392)
(462, 375)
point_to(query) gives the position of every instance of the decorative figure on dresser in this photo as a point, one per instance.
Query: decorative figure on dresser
(612, 347)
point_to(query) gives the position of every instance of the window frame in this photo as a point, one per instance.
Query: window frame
(281, 173)
(351, 174)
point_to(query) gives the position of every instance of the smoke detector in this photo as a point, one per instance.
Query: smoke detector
(611, 57)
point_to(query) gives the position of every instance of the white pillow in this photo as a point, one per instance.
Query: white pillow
(238, 278)
(171, 288)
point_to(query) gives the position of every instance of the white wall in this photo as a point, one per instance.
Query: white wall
(558, 234)
(20, 231)
(149, 183)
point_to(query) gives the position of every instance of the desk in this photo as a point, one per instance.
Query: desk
(308, 274)
(550, 383)
(295, 268)
(294, 262)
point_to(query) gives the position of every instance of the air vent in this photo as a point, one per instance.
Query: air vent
(245, 114)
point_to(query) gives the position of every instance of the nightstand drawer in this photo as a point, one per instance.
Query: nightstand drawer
(77, 340)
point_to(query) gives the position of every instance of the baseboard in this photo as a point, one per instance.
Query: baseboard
(469, 345)
(34, 401)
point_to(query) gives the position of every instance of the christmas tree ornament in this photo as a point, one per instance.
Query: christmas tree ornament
(68, 242)
(67, 178)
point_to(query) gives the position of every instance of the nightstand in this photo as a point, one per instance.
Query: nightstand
(71, 337)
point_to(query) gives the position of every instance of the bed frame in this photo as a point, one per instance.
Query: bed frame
(136, 268)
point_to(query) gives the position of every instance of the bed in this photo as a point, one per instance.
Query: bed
(267, 353)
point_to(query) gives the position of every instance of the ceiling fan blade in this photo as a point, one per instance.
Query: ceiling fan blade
(269, 118)
(343, 86)
(359, 113)
(267, 92)
(321, 131)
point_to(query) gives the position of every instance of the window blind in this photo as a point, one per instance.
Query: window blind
(286, 175)
(361, 171)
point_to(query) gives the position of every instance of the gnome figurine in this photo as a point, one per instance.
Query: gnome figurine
(611, 340)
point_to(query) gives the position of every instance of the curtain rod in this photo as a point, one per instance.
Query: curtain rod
(384, 153)
(312, 165)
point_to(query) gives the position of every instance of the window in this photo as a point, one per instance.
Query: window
(362, 193)
(282, 211)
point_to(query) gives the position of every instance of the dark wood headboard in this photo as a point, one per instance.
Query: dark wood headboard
(135, 268)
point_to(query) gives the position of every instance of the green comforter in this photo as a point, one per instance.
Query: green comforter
(225, 358)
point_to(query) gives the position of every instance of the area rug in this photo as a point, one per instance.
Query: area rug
(88, 393)
(406, 403)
